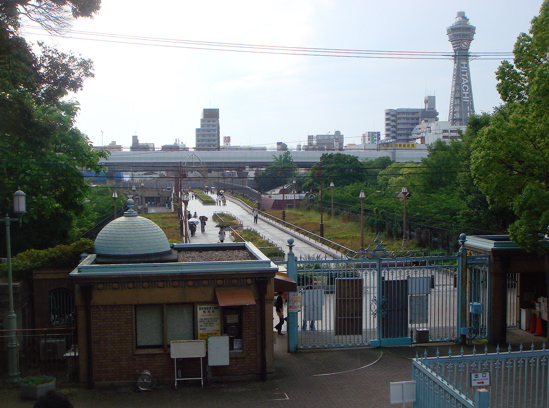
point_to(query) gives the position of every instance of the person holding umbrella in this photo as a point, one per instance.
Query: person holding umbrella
(203, 220)
(221, 233)
(192, 228)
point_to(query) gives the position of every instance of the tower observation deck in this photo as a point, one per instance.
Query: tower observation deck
(460, 34)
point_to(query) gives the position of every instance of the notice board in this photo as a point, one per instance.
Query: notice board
(187, 348)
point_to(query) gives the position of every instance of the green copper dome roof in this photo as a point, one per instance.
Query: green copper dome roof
(132, 238)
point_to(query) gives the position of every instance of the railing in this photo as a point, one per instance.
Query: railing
(93, 231)
(345, 252)
(514, 379)
(50, 351)
(264, 249)
(233, 220)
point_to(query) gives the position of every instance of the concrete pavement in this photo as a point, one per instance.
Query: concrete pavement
(350, 378)
(304, 247)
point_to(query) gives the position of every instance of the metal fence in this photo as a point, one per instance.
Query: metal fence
(512, 300)
(512, 379)
(44, 352)
(374, 302)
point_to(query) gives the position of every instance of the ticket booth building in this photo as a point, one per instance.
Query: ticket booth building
(138, 293)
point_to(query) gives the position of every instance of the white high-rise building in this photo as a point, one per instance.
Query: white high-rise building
(400, 123)
(208, 135)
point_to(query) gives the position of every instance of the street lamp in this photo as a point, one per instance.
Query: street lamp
(361, 196)
(294, 184)
(114, 198)
(19, 209)
(283, 203)
(321, 214)
(185, 199)
(402, 196)
(332, 185)
(141, 199)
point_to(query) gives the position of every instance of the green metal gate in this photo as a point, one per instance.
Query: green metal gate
(388, 300)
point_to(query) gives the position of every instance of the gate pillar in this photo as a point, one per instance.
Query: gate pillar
(291, 324)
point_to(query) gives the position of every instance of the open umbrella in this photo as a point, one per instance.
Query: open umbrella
(194, 221)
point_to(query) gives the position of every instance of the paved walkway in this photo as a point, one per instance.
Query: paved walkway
(304, 247)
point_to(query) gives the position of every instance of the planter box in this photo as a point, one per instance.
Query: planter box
(31, 391)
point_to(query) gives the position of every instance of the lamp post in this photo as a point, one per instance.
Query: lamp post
(114, 198)
(185, 199)
(294, 184)
(19, 209)
(361, 196)
(332, 185)
(283, 203)
(141, 207)
(321, 214)
(402, 196)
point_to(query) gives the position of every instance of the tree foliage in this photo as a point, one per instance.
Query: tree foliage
(42, 152)
(53, 15)
(341, 169)
(281, 171)
(509, 157)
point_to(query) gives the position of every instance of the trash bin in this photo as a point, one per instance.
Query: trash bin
(525, 317)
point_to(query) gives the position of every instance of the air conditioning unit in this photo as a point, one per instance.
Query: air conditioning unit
(52, 349)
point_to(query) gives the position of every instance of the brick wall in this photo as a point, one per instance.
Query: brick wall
(114, 357)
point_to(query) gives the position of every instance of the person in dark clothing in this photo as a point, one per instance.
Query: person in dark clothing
(279, 307)
(192, 228)
(203, 220)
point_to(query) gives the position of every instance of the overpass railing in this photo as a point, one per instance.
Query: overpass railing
(509, 379)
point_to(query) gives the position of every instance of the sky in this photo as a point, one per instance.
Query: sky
(157, 89)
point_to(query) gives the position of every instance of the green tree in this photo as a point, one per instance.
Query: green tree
(280, 172)
(509, 158)
(342, 169)
(42, 151)
(374, 167)
(476, 212)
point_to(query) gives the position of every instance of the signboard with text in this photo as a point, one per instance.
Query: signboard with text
(209, 321)
(294, 301)
(480, 379)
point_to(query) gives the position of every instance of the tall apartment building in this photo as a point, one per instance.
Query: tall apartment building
(370, 138)
(400, 123)
(208, 135)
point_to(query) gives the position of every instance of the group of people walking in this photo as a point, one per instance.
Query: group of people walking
(193, 220)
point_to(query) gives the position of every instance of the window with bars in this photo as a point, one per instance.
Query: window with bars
(61, 307)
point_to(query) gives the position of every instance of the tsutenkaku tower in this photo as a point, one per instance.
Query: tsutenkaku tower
(460, 34)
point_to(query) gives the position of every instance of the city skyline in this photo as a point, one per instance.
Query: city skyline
(157, 89)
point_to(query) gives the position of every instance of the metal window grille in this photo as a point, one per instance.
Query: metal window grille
(61, 307)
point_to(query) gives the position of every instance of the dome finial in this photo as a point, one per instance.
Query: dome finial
(130, 212)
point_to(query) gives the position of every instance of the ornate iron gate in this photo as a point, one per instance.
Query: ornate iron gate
(388, 300)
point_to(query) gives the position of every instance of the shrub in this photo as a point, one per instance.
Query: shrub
(60, 256)
(37, 379)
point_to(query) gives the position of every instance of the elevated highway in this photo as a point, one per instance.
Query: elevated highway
(215, 161)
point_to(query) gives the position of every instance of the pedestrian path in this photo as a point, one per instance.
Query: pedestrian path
(304, 247)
